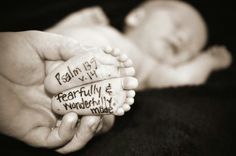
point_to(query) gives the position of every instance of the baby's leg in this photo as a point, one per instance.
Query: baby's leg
(98, 91)
(194, 72)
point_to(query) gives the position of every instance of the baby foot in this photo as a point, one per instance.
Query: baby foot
(113, 96)
(221, 57)
(95, 65)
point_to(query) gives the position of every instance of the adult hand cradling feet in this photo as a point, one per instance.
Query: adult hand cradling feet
(104, 80)
(25, 106)
(39, 71)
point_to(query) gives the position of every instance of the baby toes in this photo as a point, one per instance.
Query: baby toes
(129, 83)
(126, 107)
(131, 93)
(112, 96)
(127, 71)
(93, 66)
(129, 101)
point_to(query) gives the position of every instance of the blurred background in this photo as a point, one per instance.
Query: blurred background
(182, 121)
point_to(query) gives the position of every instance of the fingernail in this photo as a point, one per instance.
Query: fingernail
(99, 127)
(94, 124)
(95, 127)
(73, 124)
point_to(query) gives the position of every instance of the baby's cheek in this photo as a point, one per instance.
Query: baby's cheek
(161, 50)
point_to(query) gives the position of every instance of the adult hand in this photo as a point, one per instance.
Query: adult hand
(25, 106)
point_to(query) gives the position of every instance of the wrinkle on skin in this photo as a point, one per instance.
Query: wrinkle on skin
(12, 62)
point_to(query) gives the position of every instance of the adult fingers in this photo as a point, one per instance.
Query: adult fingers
(53, 137)
(106, 124)
(84, 134)
(51, 65)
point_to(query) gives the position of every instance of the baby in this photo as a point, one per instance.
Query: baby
(86, 82)
(172, 31)
(163, 38)
(174, 34)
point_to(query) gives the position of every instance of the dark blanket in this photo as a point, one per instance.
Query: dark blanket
(186, 121)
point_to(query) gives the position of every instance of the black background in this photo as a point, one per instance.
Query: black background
(186, 121)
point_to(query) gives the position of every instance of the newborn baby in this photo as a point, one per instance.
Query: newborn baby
(90, 27)
(163, 38)
(172, 31)
(174, 34)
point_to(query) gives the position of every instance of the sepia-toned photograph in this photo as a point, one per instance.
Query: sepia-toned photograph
(117, 78)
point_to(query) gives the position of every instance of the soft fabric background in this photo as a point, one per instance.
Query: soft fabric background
(188, 121)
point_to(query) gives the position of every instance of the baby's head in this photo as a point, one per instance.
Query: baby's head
(171, 31)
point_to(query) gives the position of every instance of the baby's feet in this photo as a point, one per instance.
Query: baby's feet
(221, 57)
(98, 82)
(95, 65)
(113, 96)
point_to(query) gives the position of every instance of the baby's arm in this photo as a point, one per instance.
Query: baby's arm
(194, 72)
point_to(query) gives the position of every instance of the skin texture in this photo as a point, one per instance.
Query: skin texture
(95, 62)
(25, 106)
(110, 96)
(98, 74)
(173, 68)
(26, 58)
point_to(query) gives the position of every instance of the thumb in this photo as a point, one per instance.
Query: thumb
(43, 136)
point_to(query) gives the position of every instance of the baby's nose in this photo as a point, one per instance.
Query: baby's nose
(179, 40)
(183, 37)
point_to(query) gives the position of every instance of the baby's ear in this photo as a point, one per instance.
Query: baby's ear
(135, 18)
